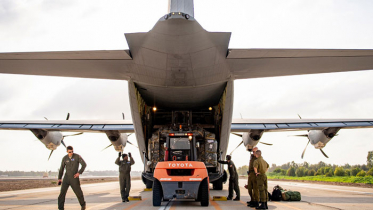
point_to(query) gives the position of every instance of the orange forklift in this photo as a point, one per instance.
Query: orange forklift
(180, 176)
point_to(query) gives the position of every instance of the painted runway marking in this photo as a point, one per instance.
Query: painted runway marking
(40, 190)
(215, 205)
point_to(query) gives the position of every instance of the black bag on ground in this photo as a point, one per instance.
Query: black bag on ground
(269, 196)
(276, 193)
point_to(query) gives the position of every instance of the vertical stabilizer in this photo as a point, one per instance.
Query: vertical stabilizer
(184, 6)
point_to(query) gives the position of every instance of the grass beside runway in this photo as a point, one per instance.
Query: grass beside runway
(343, 179)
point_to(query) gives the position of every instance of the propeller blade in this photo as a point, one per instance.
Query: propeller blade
(305, 149)
(63, 143)
(75, 134)
(131, 143)
(324, 153)
(107, 147)
(45, 118)
(266, 143)
(236, 148)
(68, 116)
(123, 115)
(299, 116)
(50, 154)
(237, 134)
(300, 135)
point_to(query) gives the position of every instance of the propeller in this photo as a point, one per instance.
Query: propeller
(68, 116)
(266, 143)
(324, 153)
(236, 148)
(305, 149)
(132, 144)
(107, 147)
(63, 137)
(306, 135)
(240, 135)
(50, 154)
(123, 116)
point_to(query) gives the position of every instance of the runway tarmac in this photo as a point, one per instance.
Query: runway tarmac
(106, 196)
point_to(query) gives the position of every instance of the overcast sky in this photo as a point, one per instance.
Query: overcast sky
(61, 25)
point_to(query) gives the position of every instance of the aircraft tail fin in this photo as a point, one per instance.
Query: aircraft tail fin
(184, 6)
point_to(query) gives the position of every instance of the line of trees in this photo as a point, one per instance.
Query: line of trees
(321, 168)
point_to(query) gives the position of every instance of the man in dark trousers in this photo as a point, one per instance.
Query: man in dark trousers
(124, 175)
(71, 161)
(260, 168)
(251, 182)
(233, 179)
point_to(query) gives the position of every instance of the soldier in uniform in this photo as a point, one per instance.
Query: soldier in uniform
(71, 161)
(251, 182)
(233, 179)
(124, 175)
(260, 168)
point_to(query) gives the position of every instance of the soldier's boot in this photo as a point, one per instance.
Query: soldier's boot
(248, 203)
(262, 206)
(237, 198)
(229, 198)
(266, 205)
(254, 204)
(83, 207)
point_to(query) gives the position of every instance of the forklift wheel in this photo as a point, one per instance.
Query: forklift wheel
(204, 192)
(157, 193)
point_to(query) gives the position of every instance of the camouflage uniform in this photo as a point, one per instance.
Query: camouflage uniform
(72, 166)
(252, 185)
(261, 179)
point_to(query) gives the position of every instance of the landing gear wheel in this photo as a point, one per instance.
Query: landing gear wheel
(204, 192)
(218, 184)
(157, 193)
(149, 184)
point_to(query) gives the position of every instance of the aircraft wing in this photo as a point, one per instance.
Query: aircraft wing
(102, 64)
(271, 125)
(70, 125)
(255, 63)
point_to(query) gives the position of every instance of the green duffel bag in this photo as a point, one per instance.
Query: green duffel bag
(291, 196)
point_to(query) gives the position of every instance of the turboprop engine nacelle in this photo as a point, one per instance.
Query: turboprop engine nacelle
(251, 139)
(118, 140)
(51, 139)
(319, 138)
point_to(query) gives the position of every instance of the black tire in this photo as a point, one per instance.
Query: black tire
(149, 184)
(218, 184)
(204, 193)
(157, 193)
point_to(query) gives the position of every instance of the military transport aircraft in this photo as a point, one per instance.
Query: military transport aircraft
(190, 72)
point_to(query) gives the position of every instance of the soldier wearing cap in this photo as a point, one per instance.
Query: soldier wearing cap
(233, 179)
(124, 175)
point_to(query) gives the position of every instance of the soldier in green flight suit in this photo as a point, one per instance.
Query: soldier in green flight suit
(260, 168)
(233, 179)
(124, 175)
(251, 182)
(71, 161)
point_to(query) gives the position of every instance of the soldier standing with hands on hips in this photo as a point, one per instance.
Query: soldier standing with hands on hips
(260, 168)
(124, 175)
(71, 161)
